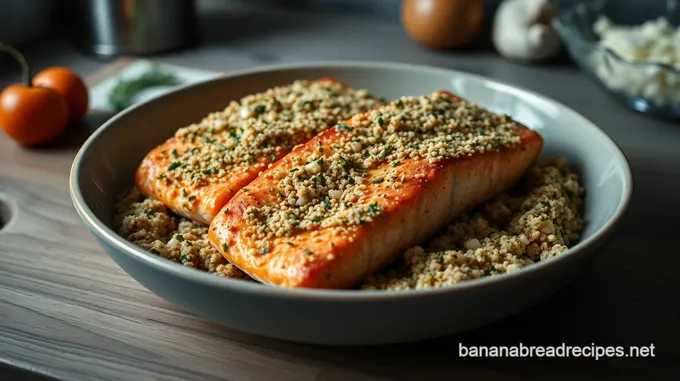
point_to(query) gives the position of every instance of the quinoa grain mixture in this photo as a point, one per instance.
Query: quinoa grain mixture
(502, 235)
(537, 220)
(149, 224)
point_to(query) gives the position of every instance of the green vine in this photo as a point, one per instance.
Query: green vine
(26, 71)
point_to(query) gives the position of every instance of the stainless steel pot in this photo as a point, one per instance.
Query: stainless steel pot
(110, 28)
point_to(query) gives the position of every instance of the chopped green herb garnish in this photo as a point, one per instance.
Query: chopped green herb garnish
(316, 219)
(265, 250)
(385, 152)
(224, 247)
(322, 179)
(374, 208)
(343, 127)
(174, 153)
(173, 165)
(234, 137)
(226, 211)
(381, 122)
(399, 103)
(395, 163)
(346, 163)
(179, 237)
(327, 203)
(184, 192)
(289, 243)
(191, 198)
(208, 140)
(307, 251)
(294, 170)
(481, 132)
(161, 176)
(260, 109)
(320, 161)
(272, 157)
(378, 180)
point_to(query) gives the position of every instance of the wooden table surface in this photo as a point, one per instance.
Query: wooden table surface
(68, 312)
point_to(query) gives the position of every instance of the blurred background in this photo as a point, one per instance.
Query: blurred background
(224, 35)
(48, 16)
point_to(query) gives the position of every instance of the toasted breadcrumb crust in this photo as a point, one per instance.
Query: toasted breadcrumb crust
(502, 235)
(327, 188)
(260, 126)
(535, 221)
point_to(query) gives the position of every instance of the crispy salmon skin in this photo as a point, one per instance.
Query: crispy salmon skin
(202, 166)
(353, 198)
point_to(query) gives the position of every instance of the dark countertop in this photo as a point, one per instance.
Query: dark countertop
(631, 296)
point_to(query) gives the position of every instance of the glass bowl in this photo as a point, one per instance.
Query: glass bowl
(650, 87)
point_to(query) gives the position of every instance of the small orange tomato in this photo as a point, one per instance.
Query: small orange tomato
(32, 115)
(69, 85)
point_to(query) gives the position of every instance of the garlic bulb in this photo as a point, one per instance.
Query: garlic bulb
(522, 30)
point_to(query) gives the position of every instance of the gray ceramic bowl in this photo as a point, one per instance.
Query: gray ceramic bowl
(106, 162)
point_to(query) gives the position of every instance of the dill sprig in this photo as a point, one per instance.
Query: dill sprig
(124, 92)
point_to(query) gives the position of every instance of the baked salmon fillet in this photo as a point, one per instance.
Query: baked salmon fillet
(196, 171)
(354, 198)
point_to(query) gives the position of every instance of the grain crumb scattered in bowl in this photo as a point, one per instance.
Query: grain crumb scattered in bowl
(150, 225)
(537, 220)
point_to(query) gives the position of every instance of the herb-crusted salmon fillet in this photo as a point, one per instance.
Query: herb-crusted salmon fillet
(352, 199)
(202, 166)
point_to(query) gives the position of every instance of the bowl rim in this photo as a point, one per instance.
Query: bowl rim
(570, 35)
(103, 232)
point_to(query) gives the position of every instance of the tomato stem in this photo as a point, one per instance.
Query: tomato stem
(21, 59)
